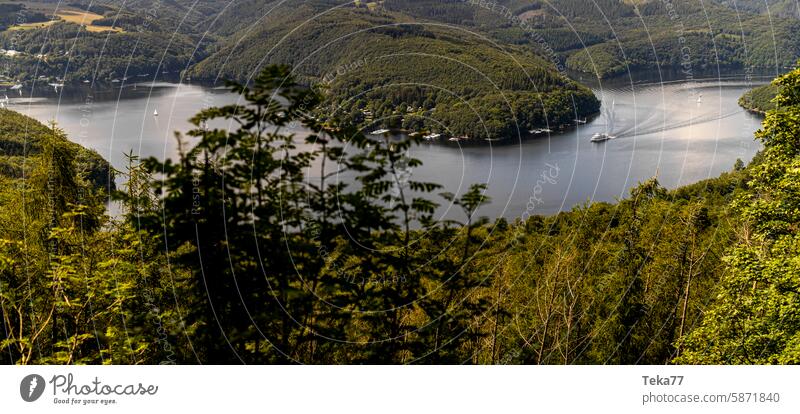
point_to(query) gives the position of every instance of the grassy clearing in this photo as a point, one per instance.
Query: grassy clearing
(80, 17)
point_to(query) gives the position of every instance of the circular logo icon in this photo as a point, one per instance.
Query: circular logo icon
(31, 387)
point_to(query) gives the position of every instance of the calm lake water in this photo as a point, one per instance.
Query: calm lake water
(681, 132)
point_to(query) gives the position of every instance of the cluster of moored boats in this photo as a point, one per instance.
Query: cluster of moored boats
(433, 136)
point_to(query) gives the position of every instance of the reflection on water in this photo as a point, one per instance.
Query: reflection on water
(681, 132)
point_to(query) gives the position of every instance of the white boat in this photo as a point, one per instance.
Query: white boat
(56, 85)
(601, 136)
(431, 137)
(700, 98)
(379, 132)
(580, 121)
(17, 86)
(607, 135)
(155, 112)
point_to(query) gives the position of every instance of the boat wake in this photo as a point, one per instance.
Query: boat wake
(646, 128)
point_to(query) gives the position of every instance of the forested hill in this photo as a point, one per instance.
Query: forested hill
(24, 139)
(759, 99)
(775, 8)
(681, 34)
(75, 43)
(610, 37)
(691, 36)
(385, 69)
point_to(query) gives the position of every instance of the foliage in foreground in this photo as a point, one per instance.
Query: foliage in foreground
(755, 318)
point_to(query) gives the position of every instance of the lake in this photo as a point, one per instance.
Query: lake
(681, 132)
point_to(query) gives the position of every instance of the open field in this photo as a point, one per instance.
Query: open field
(69, 14)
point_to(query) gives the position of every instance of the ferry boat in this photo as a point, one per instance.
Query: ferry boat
(607, 135)
(601, 136)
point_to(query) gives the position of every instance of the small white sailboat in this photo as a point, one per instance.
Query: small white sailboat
(700, 98)
(155, 112)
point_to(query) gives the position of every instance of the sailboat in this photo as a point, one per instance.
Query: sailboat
(605, 136)
(700, 98)
(155, 112)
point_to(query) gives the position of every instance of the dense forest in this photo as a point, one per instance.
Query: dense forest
(631, 35)
(610, 37)
(249, 249)
(69, 49)
(65, 51)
